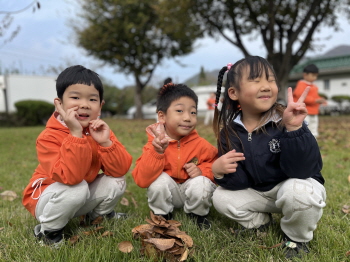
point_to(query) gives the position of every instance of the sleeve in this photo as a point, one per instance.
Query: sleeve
(299, 89)
(115, 160)
(300, 154)
(210, 154)
(66, 161)
(148, 167)
(233, 181)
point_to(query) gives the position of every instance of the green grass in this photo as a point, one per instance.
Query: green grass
(18, 160)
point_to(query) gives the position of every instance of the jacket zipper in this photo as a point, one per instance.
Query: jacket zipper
(249, 136)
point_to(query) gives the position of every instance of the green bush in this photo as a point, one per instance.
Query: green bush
(323, 95)
(340, 98)
(34, 112)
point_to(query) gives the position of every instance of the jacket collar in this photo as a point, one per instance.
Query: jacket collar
(273, 118)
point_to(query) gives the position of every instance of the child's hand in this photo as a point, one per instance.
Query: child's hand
(100, 132)
(295, 112)
(160, 143)
(192, 170)
(70, 118)
(227, 163)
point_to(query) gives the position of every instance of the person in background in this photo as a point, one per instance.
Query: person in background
(313, 100)
(175, 165)
(209, 116)
(269, 162)
(72, 149)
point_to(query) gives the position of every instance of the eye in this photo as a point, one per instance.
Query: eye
(93, 99)
(194, 113)
(74, 97)
(179, 111)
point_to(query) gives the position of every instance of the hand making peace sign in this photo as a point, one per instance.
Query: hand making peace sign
(160, 142)
(295, 112)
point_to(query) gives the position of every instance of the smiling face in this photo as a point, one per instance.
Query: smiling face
(87, 99)
(256, 95)
(180, 118)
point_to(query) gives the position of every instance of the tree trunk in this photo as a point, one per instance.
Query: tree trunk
(138, 102)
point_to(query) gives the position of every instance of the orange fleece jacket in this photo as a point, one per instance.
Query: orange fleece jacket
(310, 100)
(69, 160)
(191, 147)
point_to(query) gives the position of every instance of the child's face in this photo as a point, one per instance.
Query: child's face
(255, 95)
(87, 99)
(310, 77)
(180, 118)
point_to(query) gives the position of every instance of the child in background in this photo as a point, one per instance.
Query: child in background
(312, 100)
(72, 149)
(176, 162)
(209, 115)
(269, 162)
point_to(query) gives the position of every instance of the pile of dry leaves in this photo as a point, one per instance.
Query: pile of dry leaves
(162, 238)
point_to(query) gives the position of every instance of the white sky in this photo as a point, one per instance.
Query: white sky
(47, 39)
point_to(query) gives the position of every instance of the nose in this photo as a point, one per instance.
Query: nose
(84, 104)
(266, 86)
(187, 116)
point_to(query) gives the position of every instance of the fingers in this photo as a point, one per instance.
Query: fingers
(290, 96)
(304, 94)
(162, 131)
(154, 131)
(59, 108)
(97, 123)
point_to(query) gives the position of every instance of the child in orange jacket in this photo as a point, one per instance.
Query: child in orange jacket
(176, 162)
(72, 149)
(313, 100)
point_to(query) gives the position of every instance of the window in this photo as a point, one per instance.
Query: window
(326, 84)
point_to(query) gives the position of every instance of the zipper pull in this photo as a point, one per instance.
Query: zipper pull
(249, 136)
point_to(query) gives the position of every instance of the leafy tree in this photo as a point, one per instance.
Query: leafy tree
(286, 27)
(135, 36)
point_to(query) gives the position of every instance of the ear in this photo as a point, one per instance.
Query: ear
(102, 103)
(161, 116)
(232, 93)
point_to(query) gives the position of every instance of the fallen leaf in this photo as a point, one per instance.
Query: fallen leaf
(184, 255)
(9, 223)
(125, 246)
(107, 234)
(349, 178)
(347, 253)
(124, 202)
(161, 243)
(74, 239)
(346, 209)
(8, 195)
(1, 228)
(134, 202)
(97, 221)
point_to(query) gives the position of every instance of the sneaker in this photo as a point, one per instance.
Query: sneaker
(293, 249)
(49, 238)
(202, 222)
(168, 216)
(249, 231)
(116, 216)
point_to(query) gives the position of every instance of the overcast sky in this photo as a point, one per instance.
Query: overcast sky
(46, 39)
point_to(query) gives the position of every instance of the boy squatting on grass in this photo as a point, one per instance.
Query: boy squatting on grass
(269, 162)
(72, 149)
(176, 162)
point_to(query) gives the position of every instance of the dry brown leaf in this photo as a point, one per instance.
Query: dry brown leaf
(346, 209)
(347, 253)
(134, 202)
(161, 243)
(184, 255)
(98, 228)
(9, 223)
(8, 195)
(125, 246)
(88, 233)
(107, 234)
(74, 239)
(124, 202)
(97, 221)
(349, 178)
(2, 228)
(186, 239)
(142, 228)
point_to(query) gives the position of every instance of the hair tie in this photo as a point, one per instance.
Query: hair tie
(165, 87)
(228, 67)
(215, 105)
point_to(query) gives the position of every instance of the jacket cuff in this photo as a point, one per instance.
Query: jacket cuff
(155, 154)
(74, 139)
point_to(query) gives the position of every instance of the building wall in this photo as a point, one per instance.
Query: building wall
(334, 85)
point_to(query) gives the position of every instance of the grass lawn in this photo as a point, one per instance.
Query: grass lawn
(17, 243)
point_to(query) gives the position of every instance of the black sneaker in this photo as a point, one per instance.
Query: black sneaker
(49, 238)
(293, 249)
(202, 222)
(168, 216)
(116, 216)
(249, 231)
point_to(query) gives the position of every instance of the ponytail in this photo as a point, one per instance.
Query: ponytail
(216, 123)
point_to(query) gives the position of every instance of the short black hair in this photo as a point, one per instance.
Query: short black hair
(171, 92)
(312, 68)
(78, 75)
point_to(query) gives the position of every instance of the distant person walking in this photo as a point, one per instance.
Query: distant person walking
(209, 116)
(312, 100)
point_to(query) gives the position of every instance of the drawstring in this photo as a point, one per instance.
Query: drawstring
(37, 183)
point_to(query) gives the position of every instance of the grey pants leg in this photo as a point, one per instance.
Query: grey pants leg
(59, 202)
(164, 194)
(300, 201)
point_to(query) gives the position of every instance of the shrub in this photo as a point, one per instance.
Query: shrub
(34, 112)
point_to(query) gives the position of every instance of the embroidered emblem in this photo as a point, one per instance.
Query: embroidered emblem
(275, 146)
(194, 161)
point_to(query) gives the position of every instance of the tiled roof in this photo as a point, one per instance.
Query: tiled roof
(325, 64)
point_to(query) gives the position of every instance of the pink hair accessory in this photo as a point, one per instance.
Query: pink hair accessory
(215, 105)
(228, 66)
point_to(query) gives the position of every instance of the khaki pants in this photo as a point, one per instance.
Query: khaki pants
(301, 201)
(312, 121)
(59, 202)
(194, 195)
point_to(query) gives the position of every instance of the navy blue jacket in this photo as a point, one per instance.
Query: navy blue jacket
(271, 158)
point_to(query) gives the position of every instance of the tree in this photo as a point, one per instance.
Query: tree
(135, 36)
(286, 27)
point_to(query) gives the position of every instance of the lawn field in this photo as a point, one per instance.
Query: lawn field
(18, 161)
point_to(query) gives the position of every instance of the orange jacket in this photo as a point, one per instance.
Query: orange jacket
(310, 100)
(70, 160)
(210, 103)
(188, 149)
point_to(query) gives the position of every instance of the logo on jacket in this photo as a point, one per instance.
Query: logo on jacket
(275, 146)
(194, 161)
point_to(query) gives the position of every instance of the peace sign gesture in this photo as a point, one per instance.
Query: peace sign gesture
(70, 118)
(295, 112)
(160, 143)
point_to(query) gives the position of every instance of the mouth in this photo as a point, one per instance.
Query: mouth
(264, 97)
(83, 116)
(186, 127)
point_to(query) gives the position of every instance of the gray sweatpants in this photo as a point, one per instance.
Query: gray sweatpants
(299, 200)
(59, 202)
(194, 195)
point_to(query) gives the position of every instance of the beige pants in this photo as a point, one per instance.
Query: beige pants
(301, 201)
(312, 121)
(59, 202)
(194, 195)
